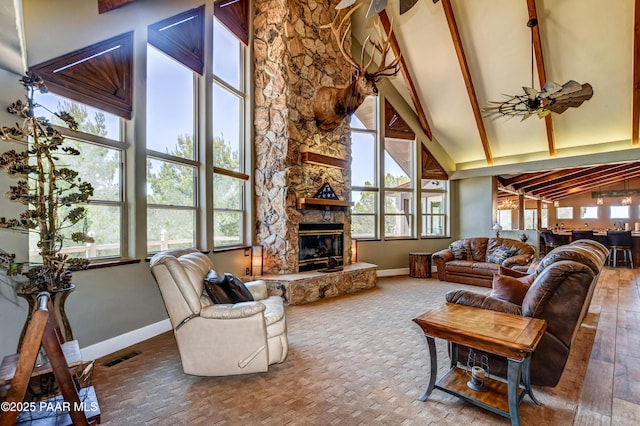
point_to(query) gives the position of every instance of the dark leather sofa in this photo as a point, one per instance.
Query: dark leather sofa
(560, 294)
(477, 270)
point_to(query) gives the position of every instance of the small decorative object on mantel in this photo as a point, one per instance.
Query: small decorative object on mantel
(523, 237)
(326, 192)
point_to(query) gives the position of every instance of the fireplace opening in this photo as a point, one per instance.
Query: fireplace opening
(317, 242)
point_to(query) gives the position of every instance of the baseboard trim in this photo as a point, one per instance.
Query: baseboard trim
(392, 272)
(114, 344)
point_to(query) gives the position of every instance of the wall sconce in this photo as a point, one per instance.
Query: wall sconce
(497, 227)
(256, 260)
(354, 251)
(556, 204)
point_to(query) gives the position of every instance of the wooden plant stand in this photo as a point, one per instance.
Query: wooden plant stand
(18, 369)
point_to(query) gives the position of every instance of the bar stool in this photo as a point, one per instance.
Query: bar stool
(620, 241)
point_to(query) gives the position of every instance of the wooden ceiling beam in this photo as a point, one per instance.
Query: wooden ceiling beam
(577, 180)
(572, 176)
(635, 114)
(466, 74)
(404, 70)
(593, 182)
(542, 75)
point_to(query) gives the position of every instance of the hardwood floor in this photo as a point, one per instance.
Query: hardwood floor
(359, 359)
(611, 390)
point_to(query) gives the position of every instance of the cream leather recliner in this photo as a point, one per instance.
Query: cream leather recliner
(218, 339)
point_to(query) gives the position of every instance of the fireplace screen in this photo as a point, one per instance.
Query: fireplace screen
(318, 242)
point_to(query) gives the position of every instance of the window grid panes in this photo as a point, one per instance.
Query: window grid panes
(364, 180)
(229, 178)
(433, 207)
(399, 188)
(171, 153)
(99, 141)
(564, 212)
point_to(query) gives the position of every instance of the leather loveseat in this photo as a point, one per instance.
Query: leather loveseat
(476, 263)
(560, 294)
(218, 339)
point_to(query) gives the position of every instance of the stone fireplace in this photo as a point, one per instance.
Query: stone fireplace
(294, 57)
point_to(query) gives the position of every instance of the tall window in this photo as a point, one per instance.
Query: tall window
(433, 207)
(399, 163)
(364, 181)
(101, 163)
(229, 177)
(171, 153)
(530, 218)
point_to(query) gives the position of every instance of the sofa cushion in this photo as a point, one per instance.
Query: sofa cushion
(214, 287)
(236, 290)
(500, 254)
(511, 289)
(461, 250)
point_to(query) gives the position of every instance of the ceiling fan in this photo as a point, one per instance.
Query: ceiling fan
(552, 98)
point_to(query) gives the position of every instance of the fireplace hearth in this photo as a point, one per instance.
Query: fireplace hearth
(317, 243)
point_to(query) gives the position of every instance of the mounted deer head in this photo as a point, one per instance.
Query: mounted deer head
(332, 104)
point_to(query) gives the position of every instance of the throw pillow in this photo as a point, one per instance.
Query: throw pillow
(236, 289)
(460, 251)
(500, 254)
(533, 267)
(214, 285)
(511, 289)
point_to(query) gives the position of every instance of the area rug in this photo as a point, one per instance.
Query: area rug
(357, 359)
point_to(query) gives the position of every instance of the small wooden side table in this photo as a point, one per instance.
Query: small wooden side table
(511, 336)
(420, 265)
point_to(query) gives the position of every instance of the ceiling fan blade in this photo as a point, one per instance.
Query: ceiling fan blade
(376, 7)
(405, 5)
(345, 3)
(531, 93)
(570, 86)
(549, 88)
(571, 100)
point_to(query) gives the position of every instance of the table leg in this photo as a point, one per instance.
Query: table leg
(453, 352)
(526, 379)
(513, 383)
(434, 367)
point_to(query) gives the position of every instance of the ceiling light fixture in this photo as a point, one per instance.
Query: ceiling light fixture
(552, 98)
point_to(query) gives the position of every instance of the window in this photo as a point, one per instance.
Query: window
(619, 212)
(101, 163)
(433, 207)
(505, 219)
(171, 153)
(530, 218)
(229, 178)
(544, 217)
(564, 212)
(364, 181)
(398, 187)
(590, 212)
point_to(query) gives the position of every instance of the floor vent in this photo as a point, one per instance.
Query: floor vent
(121, 358)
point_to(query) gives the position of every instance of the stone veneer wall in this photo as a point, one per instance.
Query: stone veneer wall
(294, 57)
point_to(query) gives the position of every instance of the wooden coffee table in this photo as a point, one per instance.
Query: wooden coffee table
(511, 336)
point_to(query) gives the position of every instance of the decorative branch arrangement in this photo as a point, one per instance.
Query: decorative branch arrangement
(45, 188)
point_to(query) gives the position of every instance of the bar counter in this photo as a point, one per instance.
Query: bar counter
(601, 237)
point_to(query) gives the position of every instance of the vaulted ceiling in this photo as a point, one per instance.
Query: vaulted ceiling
(463, 54)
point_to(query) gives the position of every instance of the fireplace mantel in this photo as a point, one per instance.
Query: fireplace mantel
(322, 203)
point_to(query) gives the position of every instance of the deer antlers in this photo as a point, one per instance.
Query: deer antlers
(382, 45)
